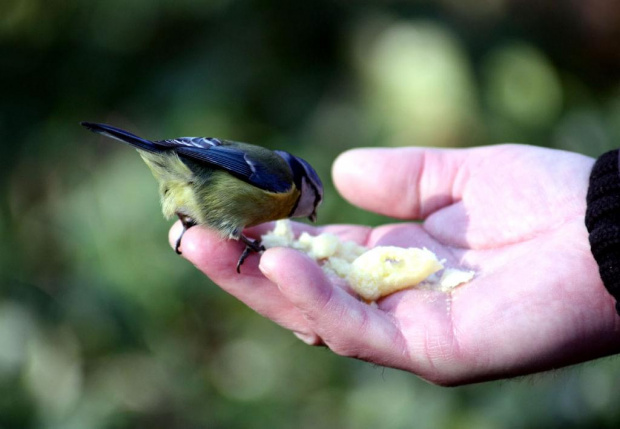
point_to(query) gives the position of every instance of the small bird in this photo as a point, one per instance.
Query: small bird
(225, 185)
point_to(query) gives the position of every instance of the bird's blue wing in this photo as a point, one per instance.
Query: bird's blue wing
(198, 142)
(232, 159)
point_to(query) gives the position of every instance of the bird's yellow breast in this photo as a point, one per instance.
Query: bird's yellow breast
(215, 198)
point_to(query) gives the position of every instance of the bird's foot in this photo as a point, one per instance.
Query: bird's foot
(187, 222)
(250, 246)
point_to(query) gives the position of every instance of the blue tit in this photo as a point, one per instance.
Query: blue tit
(225, 185)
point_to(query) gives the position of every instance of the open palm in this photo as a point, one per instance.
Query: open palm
(514, 214)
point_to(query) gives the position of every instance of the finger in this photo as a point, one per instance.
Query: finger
(217, 258)
(210, 252)
(407, 183)
(346, 325)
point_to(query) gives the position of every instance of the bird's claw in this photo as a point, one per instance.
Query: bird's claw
(250, 246)
(187, 222)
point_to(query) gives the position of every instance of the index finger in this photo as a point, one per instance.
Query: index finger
(217, 259)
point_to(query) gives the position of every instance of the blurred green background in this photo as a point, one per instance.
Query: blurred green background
(103, 326)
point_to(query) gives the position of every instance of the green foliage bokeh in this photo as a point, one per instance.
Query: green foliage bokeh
(103, 326)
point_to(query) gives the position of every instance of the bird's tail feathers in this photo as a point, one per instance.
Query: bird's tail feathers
(122, 135)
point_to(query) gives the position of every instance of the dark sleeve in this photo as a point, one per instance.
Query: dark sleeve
(603, 220)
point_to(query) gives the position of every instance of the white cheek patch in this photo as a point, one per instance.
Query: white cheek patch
(306, 201)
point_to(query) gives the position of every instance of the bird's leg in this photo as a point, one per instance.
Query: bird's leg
(250, 246)
(187, 222)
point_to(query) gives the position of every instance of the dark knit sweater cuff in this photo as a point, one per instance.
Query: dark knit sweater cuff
(603, 220)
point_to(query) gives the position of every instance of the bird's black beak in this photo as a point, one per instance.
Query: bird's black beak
(312, 217)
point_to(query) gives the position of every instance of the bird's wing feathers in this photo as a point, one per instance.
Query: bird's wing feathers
(268, 178)
(198, 142)
(262, 168)
(232, 159)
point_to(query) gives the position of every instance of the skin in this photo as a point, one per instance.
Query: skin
(513, 213)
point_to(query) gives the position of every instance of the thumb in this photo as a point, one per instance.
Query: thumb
(406, 183)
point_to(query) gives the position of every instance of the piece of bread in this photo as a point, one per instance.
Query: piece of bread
(371, 273)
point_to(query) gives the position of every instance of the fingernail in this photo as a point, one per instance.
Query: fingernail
(310, 339)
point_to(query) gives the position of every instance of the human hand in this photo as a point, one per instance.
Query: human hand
(514, 214)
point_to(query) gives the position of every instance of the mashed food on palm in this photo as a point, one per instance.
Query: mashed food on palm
(371, 273)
